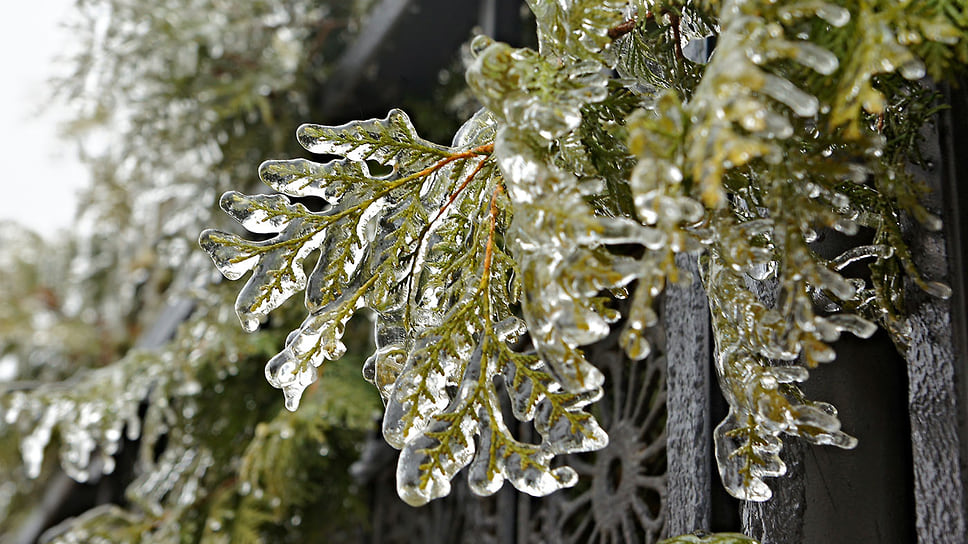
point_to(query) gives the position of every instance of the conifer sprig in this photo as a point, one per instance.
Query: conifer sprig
(571, 184)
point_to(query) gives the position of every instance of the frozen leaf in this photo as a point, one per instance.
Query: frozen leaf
(733, 123)
(392, 141)
(763, 402)
(367, 238)
(576, 28)
(276, 264)
(530, 92)
(430, 461)
(422, 247)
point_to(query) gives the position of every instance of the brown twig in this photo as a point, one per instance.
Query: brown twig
(484, 150)
(621, 29)
(676, 37)
(489, 248)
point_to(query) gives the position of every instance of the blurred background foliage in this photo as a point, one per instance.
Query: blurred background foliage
(112, 429)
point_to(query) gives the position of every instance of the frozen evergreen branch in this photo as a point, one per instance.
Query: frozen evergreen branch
(571, 187)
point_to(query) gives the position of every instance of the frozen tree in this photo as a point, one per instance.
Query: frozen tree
(594, 161)
(733, 132)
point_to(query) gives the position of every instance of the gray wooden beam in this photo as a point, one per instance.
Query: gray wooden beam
(686, 314)
(780, 520)
(953, 130)
(935, 369)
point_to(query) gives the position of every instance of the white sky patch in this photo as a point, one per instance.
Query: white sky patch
(41, 173)
(8, 368)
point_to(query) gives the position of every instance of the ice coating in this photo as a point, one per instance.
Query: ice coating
(748, 441)
(232, 263)
(277, 277)
(458, 251)
(276, 264)
(301, 177)
(424, 471)
(781, 90)
(529, 102)
(261, 214)
(576, 28)
(559, 321)
(91, 419)
(389, 141)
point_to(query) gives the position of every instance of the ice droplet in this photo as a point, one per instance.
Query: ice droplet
(930, 221)
(912, 69)
(780, 89)
(940, 31)
(635, 344)
(937, 289)
(283, 372)
(877, 251)
(819, 59)
(250, 323)
(835, 15)
(384, 366)
(853, 324)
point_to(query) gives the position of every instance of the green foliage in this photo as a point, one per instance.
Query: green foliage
(485, 265)
(494, 260)
(200, 468)
(718, 538)
(185, 97)
(421, 248)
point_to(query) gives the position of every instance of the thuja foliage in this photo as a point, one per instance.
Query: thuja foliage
(595, 160)
(701, 538)
(141, 437)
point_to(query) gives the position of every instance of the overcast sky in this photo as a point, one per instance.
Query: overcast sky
(40, 175)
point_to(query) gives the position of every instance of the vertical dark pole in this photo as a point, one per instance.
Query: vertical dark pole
(953, 132)
(935, 368)
(780, 520)
(685, 311)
